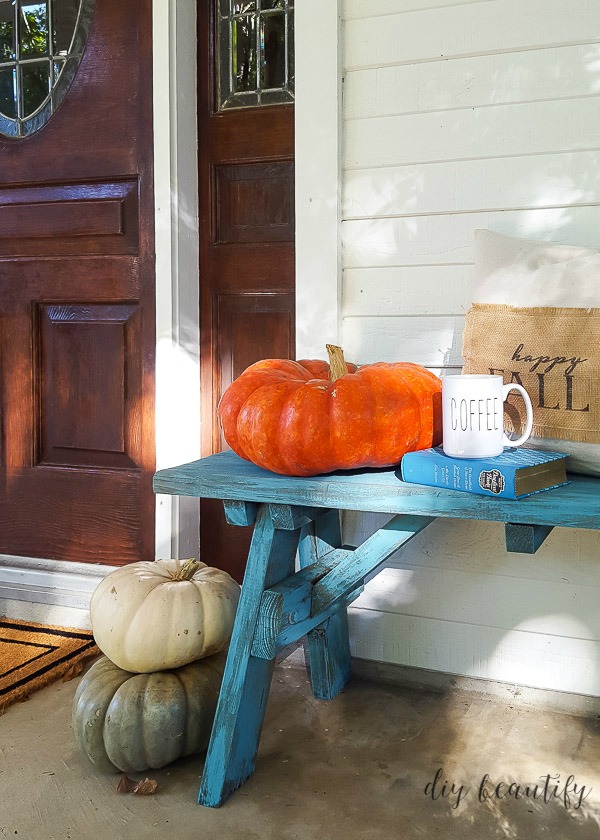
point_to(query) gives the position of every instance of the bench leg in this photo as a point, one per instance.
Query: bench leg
(246, 681)
(327, 647)
(327, 652)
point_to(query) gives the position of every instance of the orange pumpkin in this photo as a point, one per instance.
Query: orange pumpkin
(307, 417)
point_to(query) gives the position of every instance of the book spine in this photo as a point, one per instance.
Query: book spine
(469, 476)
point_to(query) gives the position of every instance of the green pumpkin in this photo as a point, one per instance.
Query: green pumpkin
(134, 722)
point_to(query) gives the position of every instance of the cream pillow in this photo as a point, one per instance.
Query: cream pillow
(522, 272)
(527, 273)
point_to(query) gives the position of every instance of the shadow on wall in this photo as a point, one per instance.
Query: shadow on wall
(454, 600)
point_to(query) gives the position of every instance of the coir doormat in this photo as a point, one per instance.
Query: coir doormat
(34, 655)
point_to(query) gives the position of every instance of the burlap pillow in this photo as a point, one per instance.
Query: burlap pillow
(536, 318)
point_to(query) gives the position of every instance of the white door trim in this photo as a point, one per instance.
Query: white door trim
(318, 75)
(177, 270)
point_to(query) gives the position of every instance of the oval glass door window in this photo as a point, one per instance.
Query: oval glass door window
(41, 44)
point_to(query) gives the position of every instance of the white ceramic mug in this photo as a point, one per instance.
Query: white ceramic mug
(473, 415)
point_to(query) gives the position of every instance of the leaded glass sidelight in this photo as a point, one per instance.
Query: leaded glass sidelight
(41, 44)
(255, 55)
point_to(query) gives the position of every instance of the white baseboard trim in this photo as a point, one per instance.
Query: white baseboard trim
(442, 682)
(48, 591)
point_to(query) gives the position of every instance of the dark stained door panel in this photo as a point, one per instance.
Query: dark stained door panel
(247, 278)
(77, 310)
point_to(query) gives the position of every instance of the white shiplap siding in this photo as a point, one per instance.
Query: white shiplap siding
(458, 116)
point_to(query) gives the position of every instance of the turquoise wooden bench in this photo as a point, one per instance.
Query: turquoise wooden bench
(278, 605)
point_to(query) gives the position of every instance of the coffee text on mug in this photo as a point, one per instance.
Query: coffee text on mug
(475, 415)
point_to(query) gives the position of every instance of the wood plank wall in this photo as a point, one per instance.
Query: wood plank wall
(460, 115)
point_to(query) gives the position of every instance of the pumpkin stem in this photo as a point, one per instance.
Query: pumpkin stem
(187, 570)
(337, 363)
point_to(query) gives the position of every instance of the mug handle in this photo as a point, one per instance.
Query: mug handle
(529, 408)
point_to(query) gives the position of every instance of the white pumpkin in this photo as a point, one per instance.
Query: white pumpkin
(152, 616)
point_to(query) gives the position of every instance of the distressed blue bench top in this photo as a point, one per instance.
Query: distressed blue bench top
(228, 477)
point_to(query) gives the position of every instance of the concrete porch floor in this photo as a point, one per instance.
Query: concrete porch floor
(356, 767)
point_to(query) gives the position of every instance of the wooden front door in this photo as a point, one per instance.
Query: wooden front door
(77, 285)
(246, 182)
